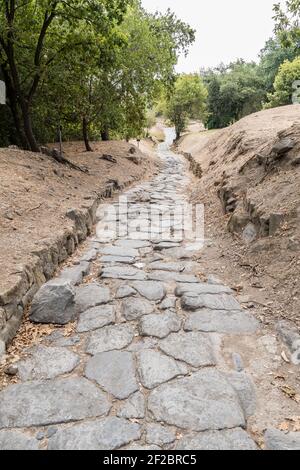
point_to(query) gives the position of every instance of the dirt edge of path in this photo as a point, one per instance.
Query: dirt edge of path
(41, 264)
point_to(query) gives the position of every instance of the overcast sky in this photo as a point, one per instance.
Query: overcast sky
(226, 29)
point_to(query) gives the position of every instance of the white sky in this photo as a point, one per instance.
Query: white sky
(226, 29)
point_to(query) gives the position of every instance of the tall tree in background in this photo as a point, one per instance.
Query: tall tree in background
(33, 35)
(233, 92)
(284, 88)
(271, 57)
(188, 101)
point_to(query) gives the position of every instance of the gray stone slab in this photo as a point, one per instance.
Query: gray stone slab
(120, 251)
(135, 244)
(168, 303)
(90, 255)
(159, 435)
(47, 363)
(133, 408)
(117, 260)
(91, 295)
(155, 368)
(132, 308)
(193, 348)
(160, 325)
(245, 389)
(41, 403)
(201, 402)
(201, 288)
(279, 440)
(125, 291)
(222, 321)
(54, 303)
(171, 277)
(160, 266)
(102, 434)
(230, 439)
(15, 440)
(114, 371)
(212, 301)
(73, 274)
(110, 338)
(62, 341)
(154, 291)
(96, 317)
(125, 273)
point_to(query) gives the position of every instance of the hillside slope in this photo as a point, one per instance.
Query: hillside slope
(251, 187)
(47, 209)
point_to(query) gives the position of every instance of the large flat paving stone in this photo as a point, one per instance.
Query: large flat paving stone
(230, 439)
(114, 371)
(47, 363)
(279, 440)
(110, 338)
(193, 348)
(102, 434)
(133, 408)
(132, 308)
(161, 266)
(155, 368)
(245, 389)
(96, 317)
(117, 259)
(222, 321)
(54, 303)
(201, 288)
(41, 403)
(120, 251)
(74, 274)
(159, 435)
(159, 325)
(135, 244)
(154, 291)
(91, 295)
(16, 440)
(122, 272)
(125, 291)
(191, 301)
(201, 402)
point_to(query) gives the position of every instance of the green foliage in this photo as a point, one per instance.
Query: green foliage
(271, 57)
(187, 101)
(92, 66)
(233, 93)
(288, 23)
(289, 72)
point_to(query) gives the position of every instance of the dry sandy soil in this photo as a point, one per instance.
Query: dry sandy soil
(242, 183)
(36, 192)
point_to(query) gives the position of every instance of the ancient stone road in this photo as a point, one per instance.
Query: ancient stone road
(141, 371)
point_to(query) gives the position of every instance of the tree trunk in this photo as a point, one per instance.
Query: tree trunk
(33, 146)
(85, 134)
(105, 134)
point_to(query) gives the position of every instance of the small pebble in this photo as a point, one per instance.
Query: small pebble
(40, 436)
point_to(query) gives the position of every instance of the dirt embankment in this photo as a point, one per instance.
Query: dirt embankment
(47, 209)
(250, 185)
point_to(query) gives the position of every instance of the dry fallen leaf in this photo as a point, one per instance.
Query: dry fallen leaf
(290, 392)
(284, 357)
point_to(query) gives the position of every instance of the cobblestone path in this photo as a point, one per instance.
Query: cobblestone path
(141, 371)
